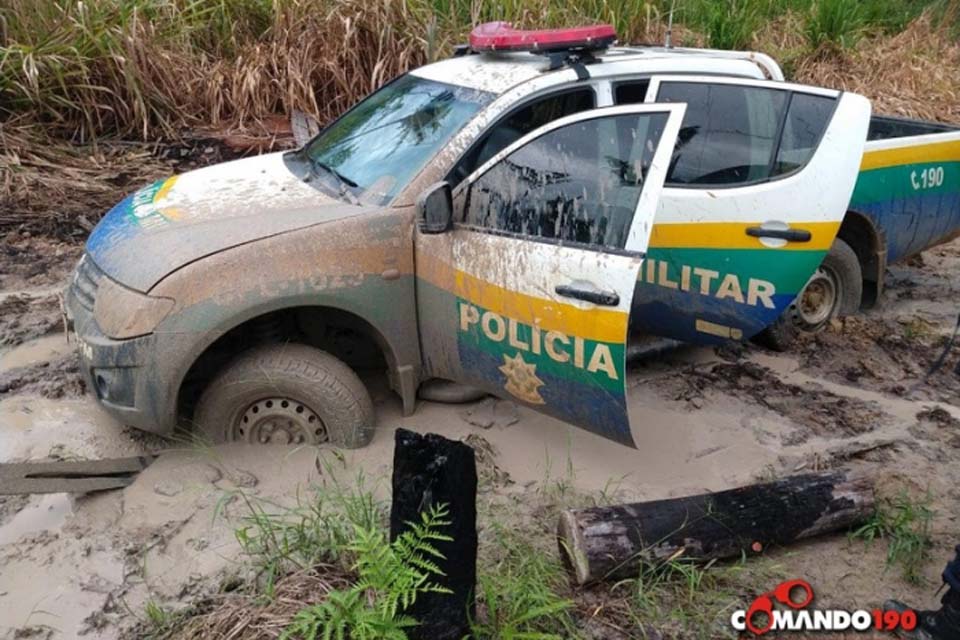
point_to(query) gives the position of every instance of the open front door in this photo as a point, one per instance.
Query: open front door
(758, 185)
(529, 295)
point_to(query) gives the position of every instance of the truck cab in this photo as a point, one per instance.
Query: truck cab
(500, 219)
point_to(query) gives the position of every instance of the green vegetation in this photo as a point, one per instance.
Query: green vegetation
(835, 23)
(390, 576)
(522, 591)
(324, 568)
(904, 522)
(280, 539)
(151, 67)
(729, 25)
(158, 616)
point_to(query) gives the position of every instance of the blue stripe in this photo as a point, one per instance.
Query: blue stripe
(653, 312)
(911, 224)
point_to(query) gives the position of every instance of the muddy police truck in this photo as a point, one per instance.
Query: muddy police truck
(505, 220)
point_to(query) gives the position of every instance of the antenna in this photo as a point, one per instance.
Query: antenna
(669, 39)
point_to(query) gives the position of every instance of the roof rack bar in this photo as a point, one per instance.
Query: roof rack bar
(767, 64)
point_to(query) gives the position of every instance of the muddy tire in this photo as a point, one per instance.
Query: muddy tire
(286, 394)
(779, 336)
(835, 289)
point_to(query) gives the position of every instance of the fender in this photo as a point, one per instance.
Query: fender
(362, 266)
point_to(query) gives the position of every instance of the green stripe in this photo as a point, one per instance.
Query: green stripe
(475, 337)
(787, 270)
(893, 183)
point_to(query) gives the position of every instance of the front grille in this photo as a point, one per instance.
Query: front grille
(86, 281)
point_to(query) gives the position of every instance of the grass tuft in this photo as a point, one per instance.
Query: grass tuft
(834, 24)
(726, 25)
(904, 522)
(521, 593)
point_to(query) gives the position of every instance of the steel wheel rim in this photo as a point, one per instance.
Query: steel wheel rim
(819, 298)
(278, 420)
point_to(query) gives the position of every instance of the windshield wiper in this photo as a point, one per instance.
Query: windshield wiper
(336, 174)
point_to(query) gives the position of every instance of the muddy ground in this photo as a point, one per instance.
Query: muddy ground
(853, 396)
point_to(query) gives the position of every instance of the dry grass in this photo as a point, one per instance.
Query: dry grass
(249, 617)
(149, 68)
(915, 73)
(152, 68)
(51, 187)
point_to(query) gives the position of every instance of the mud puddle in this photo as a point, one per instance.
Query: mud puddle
(37, 351)
(47, 513)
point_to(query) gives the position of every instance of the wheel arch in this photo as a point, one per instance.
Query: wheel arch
(285, 322)
(863, 236)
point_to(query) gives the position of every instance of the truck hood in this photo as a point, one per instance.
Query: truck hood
(173, 222)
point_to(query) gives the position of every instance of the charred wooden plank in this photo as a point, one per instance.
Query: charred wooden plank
(612, 542)
(430, 470)
(75, 476)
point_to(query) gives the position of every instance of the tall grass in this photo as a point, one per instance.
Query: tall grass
(836, 23)
(727, 25)
(151, 67)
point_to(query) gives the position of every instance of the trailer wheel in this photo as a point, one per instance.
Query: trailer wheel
(286, 394)
(835, 289)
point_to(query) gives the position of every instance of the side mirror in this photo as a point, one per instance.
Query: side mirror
(435, 208)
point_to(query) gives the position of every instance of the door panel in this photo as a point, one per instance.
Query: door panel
(529, 296)
(734, 244)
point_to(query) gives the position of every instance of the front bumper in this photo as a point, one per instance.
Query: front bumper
(117, 372)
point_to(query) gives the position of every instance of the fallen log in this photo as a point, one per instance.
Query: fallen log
(429, 470)
(612, 542)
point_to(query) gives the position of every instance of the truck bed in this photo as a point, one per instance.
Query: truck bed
(909, 184)
(887, 127)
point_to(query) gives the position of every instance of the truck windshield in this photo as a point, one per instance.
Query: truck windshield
(381, 144)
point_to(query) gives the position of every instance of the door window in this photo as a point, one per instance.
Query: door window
(578, 183)
(518, 124)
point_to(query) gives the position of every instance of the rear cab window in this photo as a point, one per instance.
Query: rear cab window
(737, 134)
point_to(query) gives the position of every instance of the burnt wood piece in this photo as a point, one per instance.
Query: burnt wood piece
(611, 542)
(431, 470)
(80, 476)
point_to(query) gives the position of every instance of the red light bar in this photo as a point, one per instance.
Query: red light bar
(501, 36)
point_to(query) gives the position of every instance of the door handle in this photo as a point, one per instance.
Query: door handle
(790, 235)
(596, 296)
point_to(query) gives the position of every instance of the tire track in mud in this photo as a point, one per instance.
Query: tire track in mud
(809, 408)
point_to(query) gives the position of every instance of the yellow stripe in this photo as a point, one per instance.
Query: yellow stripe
(601, 325)
(164, 189)
(733, 235)
(934, 152)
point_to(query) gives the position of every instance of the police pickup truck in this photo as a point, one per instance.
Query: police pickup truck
(503, 219)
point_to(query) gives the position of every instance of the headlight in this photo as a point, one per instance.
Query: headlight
(124, 313)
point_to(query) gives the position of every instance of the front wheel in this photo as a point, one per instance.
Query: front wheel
(286, 394)
(835, 289)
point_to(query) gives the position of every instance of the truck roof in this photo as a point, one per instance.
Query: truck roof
(498, 72)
